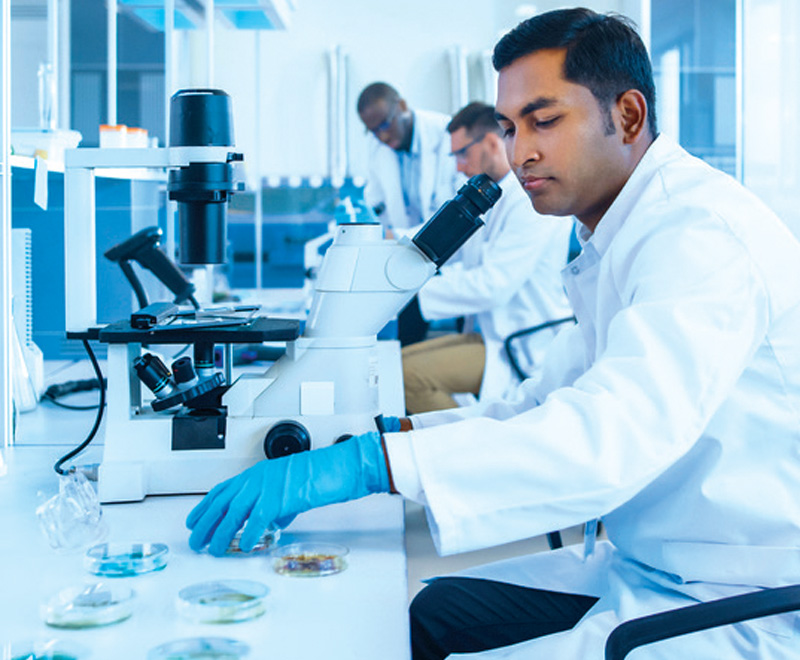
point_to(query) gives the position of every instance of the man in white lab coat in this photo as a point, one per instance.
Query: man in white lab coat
(508, 279)
(411, 173)
(671, 410)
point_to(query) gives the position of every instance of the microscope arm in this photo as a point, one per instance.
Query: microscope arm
(365, 280)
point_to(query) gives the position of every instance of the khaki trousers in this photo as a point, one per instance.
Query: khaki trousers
(435, 369)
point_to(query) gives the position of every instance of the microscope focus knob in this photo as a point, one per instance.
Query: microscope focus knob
(286, 438)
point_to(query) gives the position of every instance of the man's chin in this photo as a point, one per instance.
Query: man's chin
(542, 207)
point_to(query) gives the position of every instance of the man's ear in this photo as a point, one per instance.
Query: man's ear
(631, 110)
(401, 103)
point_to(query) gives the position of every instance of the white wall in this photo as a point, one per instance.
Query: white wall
(404, 44)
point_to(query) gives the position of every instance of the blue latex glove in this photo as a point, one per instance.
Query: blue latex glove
(276, 490)
(391, 424)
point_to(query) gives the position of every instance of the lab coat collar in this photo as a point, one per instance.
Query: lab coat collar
(661, 150)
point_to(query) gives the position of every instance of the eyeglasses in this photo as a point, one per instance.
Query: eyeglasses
(386, 124)
(461, 154)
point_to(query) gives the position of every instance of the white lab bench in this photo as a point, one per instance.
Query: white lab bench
(357, 614)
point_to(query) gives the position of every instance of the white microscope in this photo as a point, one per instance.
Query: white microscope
(201, 428)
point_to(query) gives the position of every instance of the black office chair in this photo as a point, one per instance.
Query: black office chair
(573, 251)
(703, 616)
(508, 344)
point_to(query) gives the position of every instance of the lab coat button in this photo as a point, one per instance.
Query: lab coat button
(575, 270)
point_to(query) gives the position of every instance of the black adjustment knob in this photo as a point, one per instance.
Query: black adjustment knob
(342, 438)
(286, 438)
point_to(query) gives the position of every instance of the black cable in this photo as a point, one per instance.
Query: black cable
(98, 419)
(55, 392)
(67, 406)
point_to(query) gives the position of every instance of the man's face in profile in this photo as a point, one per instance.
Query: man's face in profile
(557, 138)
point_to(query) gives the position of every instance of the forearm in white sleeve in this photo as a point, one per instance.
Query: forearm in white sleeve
(403, 467)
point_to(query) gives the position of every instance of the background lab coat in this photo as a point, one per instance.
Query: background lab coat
(433, 172)
(509, 278)
(677, 419)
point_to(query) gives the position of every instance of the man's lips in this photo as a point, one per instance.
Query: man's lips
(533, 183)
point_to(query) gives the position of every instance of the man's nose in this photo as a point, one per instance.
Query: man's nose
(521, 149)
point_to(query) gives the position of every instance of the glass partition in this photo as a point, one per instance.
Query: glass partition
(771, 93)
(693, 48)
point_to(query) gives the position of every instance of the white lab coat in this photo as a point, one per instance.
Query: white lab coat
(508, 279)
(432, 178)
(672, 410)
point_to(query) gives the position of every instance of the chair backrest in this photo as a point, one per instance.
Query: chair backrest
(702, 616)
(508, 343)
(573, 251)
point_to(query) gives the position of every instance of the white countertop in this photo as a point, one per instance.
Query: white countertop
(359, 614)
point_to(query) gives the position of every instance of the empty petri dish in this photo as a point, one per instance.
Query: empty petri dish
(88, 606)
(46, 650)
(309, 559)
(222, 601)
(268, 540)
(200, 648)
(125, 559)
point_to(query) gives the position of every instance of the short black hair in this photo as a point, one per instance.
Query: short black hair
(377, 91)
(475, 118)
(604, 53)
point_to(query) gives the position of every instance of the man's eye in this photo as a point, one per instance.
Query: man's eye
(545, 123)
(508, 131)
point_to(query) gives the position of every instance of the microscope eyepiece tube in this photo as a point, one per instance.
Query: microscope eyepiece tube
(457, 220)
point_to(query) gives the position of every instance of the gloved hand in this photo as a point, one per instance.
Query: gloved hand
(277, 489)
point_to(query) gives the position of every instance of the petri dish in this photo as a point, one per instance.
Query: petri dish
(268, 540)
(222, 601)
(200, 648)
(46, 650)
(125, 559)
(89, 606)
(309, 559)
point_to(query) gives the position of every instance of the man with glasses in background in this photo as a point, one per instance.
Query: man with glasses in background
(508, 279)
(410, 173)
